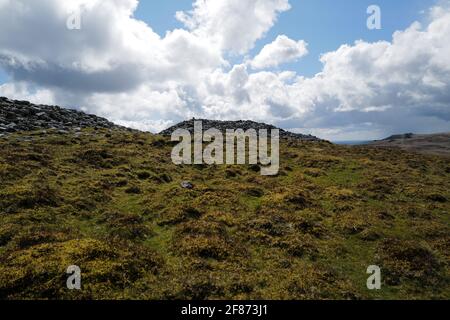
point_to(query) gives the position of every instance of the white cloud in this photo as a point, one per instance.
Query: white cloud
(112, 51)
(22, 91)
(117, 67)
(412, 70)
(233, 25)
(280, 51)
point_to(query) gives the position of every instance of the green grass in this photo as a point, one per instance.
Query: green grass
(111, 202)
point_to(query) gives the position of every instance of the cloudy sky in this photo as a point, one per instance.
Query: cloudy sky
(310, 66)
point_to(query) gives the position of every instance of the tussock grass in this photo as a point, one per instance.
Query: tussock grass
(111, 203)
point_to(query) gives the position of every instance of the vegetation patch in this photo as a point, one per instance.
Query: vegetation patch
(112, 203)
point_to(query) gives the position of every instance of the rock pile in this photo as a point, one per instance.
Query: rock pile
(18, 116)
(234, 125)
(23, 116)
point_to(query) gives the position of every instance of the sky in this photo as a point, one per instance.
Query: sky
(324, 24)
(309, 66)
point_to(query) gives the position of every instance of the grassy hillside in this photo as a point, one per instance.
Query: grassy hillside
(111, 203)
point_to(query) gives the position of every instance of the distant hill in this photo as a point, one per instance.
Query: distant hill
(436, 144)
(245, 125)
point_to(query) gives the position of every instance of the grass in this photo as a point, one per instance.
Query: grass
(111, 203)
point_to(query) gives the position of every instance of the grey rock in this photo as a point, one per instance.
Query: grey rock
(187, 185)
(23, 116)
(21, 103)
(234, 125)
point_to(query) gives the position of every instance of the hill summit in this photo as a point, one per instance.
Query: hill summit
(19, 116)
(234, 125)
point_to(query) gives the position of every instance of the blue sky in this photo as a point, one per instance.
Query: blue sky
(3, 76)
(324, 24)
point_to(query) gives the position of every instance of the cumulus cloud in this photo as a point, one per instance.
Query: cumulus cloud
(22, 91)
(280, 51)
(412, 70)
(112, 51)
(116, 66)
(402, 85)
(233, 25)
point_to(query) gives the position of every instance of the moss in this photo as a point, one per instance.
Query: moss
(320, 283)
(98, 158)
(111, 202)
(126, 226)
(314, 172)
(179, 215)
(409, 260)
(29, 196)
(301, 200)
(133, 190)
(143, 175)
(42, 268)
(203, 247)
(255, 192)
(299, 246)
(437, 198)
(203, 239)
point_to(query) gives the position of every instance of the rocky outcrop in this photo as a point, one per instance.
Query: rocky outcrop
(23, 116)
(18, 116)
(234, 125)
